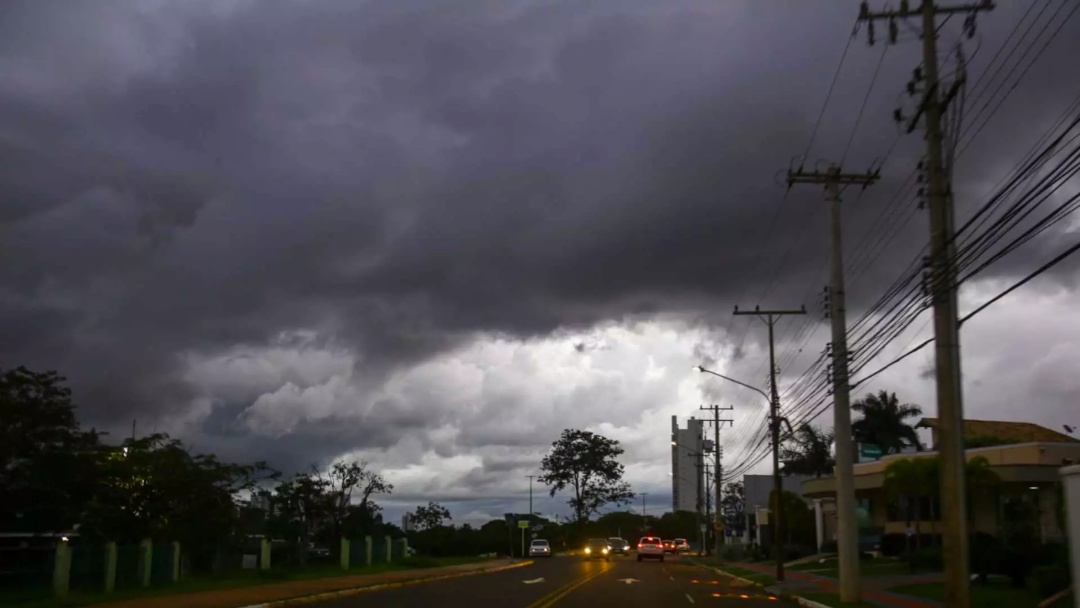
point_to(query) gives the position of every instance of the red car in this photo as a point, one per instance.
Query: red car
(669, 546)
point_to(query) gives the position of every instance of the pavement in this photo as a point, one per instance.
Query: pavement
(572, 582)
(873, 589)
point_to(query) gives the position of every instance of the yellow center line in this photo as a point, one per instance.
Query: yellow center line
(550, 599)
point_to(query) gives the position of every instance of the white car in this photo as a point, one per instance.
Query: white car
(539, 548)
(651, 547)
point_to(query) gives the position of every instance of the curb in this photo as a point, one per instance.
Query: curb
(333, 595)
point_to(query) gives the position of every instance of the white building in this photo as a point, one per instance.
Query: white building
(687, 471)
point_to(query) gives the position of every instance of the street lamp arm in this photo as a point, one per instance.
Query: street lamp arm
(742, 384)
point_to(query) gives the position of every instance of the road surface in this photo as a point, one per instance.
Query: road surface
(570, 582)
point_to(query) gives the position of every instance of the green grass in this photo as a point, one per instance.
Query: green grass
(750, 575)
(832, 599)
(41, 598)
(992, 595)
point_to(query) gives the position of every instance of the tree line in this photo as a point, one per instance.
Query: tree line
(58, 478)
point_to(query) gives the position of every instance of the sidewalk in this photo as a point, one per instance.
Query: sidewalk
(276, 592)
(873, 588)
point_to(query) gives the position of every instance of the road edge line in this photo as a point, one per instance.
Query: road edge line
(342, 593)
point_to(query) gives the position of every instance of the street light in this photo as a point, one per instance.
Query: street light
(778, 483)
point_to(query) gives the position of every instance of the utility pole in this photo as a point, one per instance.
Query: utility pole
(718, 468)
(530, 495)
(847, 533)
(770, 317)
(943, 284)
(643, 495)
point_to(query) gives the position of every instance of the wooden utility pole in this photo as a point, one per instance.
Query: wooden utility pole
(847, 533)
(943, 285)
(770, 317)
(718, 469)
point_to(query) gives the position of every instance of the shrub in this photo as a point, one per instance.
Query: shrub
(1048, 580)
(927, 558)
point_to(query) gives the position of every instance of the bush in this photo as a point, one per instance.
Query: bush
(927, 558)
(1048, 580)
(732, 553)
(1016, 565)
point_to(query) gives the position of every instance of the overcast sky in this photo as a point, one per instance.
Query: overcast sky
(434, 234)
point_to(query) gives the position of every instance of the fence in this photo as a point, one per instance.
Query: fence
(29, 572)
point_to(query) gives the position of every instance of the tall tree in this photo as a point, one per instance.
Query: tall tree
(344, 482)
(431, 516)
(884, 422)
(733, 505)
(587, 464)
(47, 463)
(809, 452)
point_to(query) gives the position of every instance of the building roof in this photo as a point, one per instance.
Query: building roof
(1013, 432)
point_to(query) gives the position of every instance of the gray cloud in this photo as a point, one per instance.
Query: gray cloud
(180, 182)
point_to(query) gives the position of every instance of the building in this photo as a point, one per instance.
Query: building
(1025, 458)
(407, 524)
(756, 492)
(688, 447)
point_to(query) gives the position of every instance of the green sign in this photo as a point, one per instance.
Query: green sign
(523, 524)
(869, 450)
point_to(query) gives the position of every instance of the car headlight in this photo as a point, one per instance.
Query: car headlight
(626, 548)
(605, 550)
(588, 550)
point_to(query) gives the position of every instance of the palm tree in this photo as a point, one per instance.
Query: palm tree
(883, 422)
(810, 454)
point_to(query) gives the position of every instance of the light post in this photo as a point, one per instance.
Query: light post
(778, 484)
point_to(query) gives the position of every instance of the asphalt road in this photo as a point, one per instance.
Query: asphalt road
(570, 582)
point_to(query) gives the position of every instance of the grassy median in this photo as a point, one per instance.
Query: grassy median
(41, 598)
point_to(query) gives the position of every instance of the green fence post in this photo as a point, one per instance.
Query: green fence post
(62, 569)
(110, 567)
(264, 554)
(146, 556)
(175, 561)
(367, 550)
(344, 553)
(389, 544)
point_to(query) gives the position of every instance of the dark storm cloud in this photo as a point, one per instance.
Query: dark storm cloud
(406, 174)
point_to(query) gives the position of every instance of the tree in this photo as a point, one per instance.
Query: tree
(47, 463)
(430, 517)
(301, 508)
(586, 463)
(811, 453)
(883, 422)
(342, 482)
(733, 506)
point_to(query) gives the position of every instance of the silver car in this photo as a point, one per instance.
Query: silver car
(651, 547)
(539, 548)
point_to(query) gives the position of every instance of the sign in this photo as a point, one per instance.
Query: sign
(870, 451)
(523, 524)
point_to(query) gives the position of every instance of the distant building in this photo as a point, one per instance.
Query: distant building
(687, 465)
(407, 523)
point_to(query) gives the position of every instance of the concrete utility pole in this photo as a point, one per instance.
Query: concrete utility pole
(718, 468)
(847, 537)
(530, 495)
(770, 317)
(943, 287)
